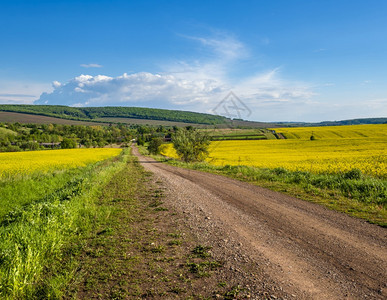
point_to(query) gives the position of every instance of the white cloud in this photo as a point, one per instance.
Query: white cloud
(16, 92)
(197, 86)
(134, 89)
(91, 65)
(224, 46)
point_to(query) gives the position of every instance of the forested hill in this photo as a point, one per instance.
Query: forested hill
(362, 121)
(92, 113)
(354, 122)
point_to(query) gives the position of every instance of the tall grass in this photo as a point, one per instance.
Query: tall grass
(43, 214)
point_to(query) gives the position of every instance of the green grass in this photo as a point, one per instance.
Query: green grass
(17, 193)
(352, 192)
(45, 215)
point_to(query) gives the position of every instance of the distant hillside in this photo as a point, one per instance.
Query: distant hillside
(362, 121)
(93, 113)
(153, 116)
(354, 122)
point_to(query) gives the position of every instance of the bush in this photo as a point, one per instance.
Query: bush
(68, 143)
(154, 145)
(140, 141)
(353, 174)
(191, 144)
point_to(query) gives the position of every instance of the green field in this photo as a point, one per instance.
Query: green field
(41, 215)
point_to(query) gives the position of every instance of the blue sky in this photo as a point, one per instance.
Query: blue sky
(286, 60)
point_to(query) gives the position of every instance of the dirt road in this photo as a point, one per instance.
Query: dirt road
(310, 252)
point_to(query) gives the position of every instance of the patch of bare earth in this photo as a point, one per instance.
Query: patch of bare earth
(278, 244)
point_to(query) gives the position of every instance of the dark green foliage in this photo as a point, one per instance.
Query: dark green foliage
(201, 251)
(30, 145)
(18, 137)
(68, 143)
(154, 145)
(353, 174)
(191, 144)
(140, 141)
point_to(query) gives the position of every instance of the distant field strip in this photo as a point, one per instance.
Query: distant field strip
(20, 163)
(336, 132)
(38, 119)
(335, 150)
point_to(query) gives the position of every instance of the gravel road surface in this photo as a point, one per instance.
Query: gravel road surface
(306, 250)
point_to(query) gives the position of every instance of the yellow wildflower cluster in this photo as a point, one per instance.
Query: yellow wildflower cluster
(329, 153)
(16, 163)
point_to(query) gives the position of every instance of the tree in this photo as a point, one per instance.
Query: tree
(154, 145)
(68, 143)
(191, 144)
(140, 141)
(312, 137)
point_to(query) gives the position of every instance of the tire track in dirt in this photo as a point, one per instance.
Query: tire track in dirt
(314, 253)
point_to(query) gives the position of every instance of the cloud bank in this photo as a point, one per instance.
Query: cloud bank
(21, 92)
(197, 86)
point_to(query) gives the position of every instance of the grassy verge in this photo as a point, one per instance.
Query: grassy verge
(141, 249)
(352, 192)
(40, 216)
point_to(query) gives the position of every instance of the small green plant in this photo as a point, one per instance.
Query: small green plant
(202, 269)
(233, 292)
(201, 251)
(174, 243)
(158, 249)
(161, 209)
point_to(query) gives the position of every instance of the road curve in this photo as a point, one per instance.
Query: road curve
(313, 252)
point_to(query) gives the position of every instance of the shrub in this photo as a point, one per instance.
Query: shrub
(154, 145)
(68, 143)
(191, 144)
(353, 174)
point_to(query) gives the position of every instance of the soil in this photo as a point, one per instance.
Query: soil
(296, 249)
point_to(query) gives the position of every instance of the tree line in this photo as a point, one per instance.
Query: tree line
(21, 137)
(190, 144)
(92, 113)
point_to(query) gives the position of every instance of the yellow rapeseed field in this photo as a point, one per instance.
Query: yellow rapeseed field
(19, 163)
(329, 153)
(378, 131)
